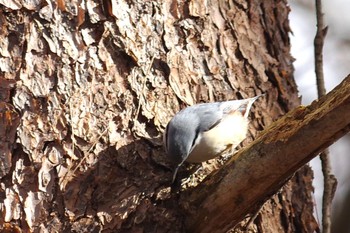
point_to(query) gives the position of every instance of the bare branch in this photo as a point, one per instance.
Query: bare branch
(330, 181)
(260, 169)
(318, 43)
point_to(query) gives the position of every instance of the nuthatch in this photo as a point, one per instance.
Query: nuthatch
(204, 131)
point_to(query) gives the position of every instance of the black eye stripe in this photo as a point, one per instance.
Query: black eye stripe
(195, 137)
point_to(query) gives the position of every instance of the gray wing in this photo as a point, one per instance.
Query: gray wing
(207, 115)
(211, 114)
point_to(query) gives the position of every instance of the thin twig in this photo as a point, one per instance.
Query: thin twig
(330, 181)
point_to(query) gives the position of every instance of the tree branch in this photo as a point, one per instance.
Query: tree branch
(318, 44)
(330, 182)
(260, 169)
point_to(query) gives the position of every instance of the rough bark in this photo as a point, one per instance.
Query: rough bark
(88, 86)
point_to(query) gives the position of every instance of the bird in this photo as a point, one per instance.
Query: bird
(204, 131)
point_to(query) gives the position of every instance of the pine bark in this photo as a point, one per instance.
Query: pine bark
(87, 88)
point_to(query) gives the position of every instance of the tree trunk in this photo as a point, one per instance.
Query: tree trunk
(87, 88)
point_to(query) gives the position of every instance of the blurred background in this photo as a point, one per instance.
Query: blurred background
(336, 55)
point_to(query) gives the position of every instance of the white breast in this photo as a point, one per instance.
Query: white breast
(224, 137)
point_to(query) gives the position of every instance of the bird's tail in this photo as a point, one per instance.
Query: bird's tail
(246, 106)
